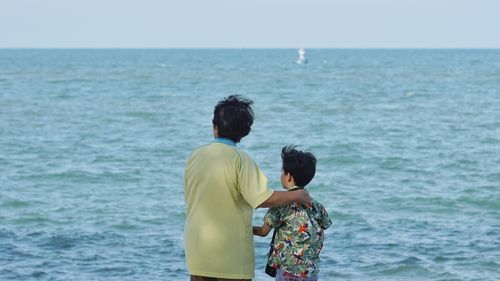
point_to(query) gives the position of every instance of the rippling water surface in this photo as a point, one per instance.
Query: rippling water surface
(93, 145)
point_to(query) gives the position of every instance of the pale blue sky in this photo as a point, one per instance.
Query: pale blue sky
(250, 23)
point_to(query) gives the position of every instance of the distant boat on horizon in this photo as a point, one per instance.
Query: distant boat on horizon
(302, 57)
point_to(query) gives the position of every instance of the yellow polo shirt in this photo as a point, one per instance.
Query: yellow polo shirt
(222, 186)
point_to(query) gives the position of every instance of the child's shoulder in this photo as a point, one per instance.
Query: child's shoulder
(284, 210)
(278, 209)
(316, 203)
(318, 207)
(320, 214)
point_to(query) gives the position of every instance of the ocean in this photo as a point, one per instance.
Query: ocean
(93, 145)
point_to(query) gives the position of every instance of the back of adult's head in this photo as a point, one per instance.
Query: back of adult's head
(233, 117)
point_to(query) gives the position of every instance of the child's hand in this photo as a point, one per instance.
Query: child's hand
(261, 230)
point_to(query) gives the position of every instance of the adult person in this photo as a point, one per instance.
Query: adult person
(222, 187)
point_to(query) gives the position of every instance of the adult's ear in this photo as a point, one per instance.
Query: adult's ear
(216, 131)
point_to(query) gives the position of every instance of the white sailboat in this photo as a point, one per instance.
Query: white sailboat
(302, 57)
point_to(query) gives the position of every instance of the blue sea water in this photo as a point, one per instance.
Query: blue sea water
(93, 145)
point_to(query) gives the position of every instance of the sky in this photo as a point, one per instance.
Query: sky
(249, 24)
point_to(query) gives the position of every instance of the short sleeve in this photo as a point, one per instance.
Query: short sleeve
(321, 215)
(252, 183)
(273, 217)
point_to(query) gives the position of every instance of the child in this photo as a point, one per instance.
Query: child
(299, 228)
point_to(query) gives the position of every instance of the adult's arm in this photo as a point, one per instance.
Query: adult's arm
(279, 198)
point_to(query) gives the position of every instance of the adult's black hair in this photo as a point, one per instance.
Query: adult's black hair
(233, 117)
(301, 165)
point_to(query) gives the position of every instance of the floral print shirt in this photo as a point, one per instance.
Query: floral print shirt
(299, 238)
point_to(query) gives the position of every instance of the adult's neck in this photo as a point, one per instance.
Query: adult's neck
(225, 141)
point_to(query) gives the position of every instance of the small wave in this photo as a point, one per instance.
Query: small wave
(15, 203)
(38, 274)
(71, 81)
(143, 115)
(4, 234)
(107, 159)
(125, 225)
(68, 175)
(483, 203)
(410, 266)
(33, 219)
(490, 140)
(60, 242)
(66, 241)
(394, 163)
(494, 177)
(81, 176)
(115, 271)
(12, 252)
(431, 204)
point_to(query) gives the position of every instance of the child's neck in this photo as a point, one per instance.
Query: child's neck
(293, 187)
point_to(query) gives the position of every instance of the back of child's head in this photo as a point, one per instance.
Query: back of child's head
(233, 117)
(301, 165)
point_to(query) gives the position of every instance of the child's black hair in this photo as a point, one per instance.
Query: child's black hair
(233, 117)
(301, 165)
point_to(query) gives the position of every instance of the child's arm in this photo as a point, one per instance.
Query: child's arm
(261, 231)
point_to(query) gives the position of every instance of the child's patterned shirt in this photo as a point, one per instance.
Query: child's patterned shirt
(299, 238)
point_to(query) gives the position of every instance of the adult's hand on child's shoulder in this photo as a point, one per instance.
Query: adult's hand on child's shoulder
(305, 197)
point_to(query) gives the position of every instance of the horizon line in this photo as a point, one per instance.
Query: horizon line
(248, 48)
